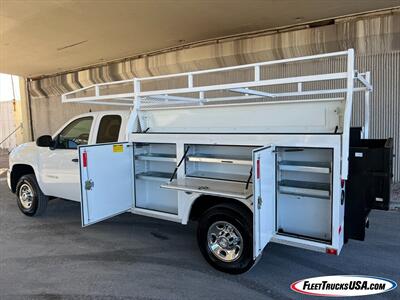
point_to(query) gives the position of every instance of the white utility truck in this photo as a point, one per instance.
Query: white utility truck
(255, 160)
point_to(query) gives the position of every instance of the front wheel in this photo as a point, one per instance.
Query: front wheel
(225, 239)
(30, 199)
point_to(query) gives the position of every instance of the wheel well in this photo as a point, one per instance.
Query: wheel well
(204, 202)
(17, 172)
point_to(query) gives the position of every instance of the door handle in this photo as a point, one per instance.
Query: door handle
(75, 160)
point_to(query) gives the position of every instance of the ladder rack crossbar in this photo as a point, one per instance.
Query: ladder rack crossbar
(248, 84)
(254, 65)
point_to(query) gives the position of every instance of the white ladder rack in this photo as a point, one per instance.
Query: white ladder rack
(185, 90)
(135, 95)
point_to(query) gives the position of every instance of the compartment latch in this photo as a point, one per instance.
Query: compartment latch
(89, 184)
(259, 202)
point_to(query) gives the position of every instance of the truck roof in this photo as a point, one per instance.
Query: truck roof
(123, 113)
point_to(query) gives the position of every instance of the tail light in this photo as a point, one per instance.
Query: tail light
(84, 159)
(331, 251)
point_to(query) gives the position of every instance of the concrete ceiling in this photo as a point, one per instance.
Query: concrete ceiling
(45, 37)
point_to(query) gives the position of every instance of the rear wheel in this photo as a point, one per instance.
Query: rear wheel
(225, 239)
(30, 199)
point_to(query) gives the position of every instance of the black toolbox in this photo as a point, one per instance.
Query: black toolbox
(369, 181)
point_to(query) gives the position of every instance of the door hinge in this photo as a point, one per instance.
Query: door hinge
(259, 202)
(89, 184)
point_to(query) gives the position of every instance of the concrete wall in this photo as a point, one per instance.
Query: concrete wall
(10, 119)
(49, 114)
(376, 40)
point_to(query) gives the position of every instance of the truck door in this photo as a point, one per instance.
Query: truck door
(106, 180)
(264, 185)
(59, 165)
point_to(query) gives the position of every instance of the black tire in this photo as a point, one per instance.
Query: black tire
(242, 222)
(38, 204)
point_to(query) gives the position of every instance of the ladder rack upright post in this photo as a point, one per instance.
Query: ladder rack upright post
(347, 113)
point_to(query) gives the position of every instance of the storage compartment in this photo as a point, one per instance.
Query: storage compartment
(230, 163)
(154, 165)
(369, 181)
(219, 170)
(304, 192)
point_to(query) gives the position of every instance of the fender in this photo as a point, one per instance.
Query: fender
(27, 154)
(187, 202)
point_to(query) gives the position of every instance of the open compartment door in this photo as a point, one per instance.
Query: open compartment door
(106, 181)
(264, 185)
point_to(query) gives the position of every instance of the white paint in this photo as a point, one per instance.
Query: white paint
(111, 178)
(56, 173)
(264, 199)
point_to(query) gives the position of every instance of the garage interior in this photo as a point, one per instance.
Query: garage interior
(74, 48)
(58, 46)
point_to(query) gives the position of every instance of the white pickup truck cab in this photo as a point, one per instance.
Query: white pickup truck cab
(254, 161)
(50, 165)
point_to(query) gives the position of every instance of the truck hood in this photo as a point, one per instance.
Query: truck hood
(23, 153)
(22, 147)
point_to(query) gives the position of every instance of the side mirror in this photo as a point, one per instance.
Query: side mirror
(44, 141)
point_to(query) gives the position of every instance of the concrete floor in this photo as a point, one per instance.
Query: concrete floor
(135, 257)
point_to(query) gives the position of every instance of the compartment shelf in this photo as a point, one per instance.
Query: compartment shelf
(217, 175)
(152, 175)
(305, 188)
(222, 159)
(212, 187)
(305, 166)
(156, 157)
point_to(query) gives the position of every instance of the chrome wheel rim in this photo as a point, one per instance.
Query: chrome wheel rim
(225, 241)
(26, 196)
